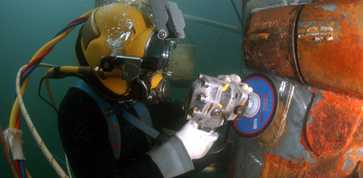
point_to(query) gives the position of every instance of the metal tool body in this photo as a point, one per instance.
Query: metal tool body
(215, 100)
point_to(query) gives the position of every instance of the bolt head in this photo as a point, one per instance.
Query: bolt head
(216, 112)
(162, 34)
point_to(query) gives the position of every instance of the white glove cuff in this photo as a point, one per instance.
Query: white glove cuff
(197, 142)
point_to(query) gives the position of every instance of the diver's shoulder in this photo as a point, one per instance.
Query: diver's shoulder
(76, 99)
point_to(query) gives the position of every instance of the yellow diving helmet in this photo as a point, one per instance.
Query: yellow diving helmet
(133, 42)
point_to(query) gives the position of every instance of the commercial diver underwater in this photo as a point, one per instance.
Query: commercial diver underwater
(300, 116)
(105, 124)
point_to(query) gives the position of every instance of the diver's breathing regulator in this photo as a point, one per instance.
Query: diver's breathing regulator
(127, 58)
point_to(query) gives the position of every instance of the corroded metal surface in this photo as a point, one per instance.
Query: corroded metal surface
(268, 44)
(323, 47)
(330, 46)
(323, 138)
(332, 135)
(277, 167)
(332, 121)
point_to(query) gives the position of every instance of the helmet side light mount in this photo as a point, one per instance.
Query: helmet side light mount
(168, 19)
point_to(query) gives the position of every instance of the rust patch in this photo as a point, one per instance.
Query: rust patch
(277, 167)
(268, 42)
(331, 54)
(353, 158)
(334, 120)
(322, 46)
(334, 134)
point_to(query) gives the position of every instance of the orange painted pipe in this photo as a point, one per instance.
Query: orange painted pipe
(320, 44)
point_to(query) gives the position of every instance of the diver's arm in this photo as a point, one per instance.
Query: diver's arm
(83, 132)
(168, 160)
(175, 156)
(172, 158)
(85, 140)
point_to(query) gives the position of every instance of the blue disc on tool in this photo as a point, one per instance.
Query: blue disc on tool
(254, 123)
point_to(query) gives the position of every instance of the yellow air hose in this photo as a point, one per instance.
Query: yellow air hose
(20, 106)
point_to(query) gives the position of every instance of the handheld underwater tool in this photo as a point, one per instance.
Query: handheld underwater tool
(226, 98)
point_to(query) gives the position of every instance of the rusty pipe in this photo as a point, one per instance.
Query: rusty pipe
(322, 136)
(320, 44)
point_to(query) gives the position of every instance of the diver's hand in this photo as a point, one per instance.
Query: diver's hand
(197, 142)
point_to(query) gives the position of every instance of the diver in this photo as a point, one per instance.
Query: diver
(104, 122)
